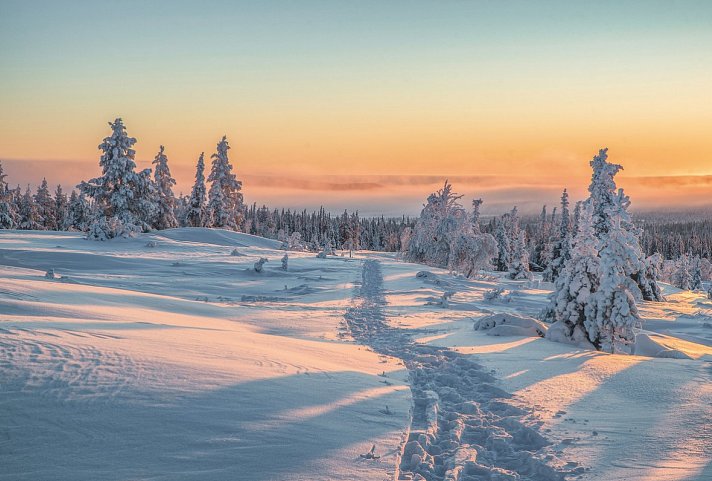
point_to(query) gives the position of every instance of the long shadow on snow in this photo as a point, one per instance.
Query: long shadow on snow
(279, 428)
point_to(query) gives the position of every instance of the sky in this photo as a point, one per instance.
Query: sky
(368, 105)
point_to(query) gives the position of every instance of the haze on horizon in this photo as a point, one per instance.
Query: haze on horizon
(368, 105)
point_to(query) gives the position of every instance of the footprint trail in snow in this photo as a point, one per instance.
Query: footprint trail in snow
(462, 427)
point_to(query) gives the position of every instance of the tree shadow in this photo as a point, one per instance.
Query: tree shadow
(292, 427)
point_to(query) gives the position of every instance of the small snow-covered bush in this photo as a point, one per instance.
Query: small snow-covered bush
(493, 294)
(50, 274)
(285, 262)
(510, 325)
(151, 244)
(235, 253)
(259, 264)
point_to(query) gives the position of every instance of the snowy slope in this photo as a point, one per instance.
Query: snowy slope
(168, 357)
(116, 371)
(619, 417)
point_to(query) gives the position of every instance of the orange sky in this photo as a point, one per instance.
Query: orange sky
(522, 94)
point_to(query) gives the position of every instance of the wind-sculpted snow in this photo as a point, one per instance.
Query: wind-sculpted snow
(462, 428)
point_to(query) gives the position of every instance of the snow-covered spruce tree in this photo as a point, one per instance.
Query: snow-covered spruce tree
(79, 215)
(504, 244)
(29, 218)
(603, 193)
(652, 272)
(225, 199)
(61, 208)
(561, 248)
(45, 207)
(198, 214)
(8, 215)
(613, 313)
(165, 199)
(576, 284)
(519, 265)
(124, 198)
(429, 243)
(445, 236)
(696, 280)
(682, 278)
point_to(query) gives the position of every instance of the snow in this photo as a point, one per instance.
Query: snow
(180, 361)
(122, 374)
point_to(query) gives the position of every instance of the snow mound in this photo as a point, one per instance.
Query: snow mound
(504, 324)
(652, 345)
(220, 237)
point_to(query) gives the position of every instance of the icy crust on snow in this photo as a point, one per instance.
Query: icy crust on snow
(506, 324)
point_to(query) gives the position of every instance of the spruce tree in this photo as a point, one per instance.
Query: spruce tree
(8, 215)
(165, 199)
(225, 198)
(198, 214)
(561, 249)
(45, 207)
(124, 198)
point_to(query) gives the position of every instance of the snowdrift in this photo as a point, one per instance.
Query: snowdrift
(506, 324)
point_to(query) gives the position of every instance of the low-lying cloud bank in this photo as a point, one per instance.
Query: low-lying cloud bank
(401, 194)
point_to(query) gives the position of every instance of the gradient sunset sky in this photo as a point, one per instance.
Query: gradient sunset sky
(368, 104)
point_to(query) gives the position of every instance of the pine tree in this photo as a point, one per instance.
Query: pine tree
(124, 198)
(225, 198)
(198, 214)
(166, 200)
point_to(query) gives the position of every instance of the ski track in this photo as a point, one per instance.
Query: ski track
(462, 428)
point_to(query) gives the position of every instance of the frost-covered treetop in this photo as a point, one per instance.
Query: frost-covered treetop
(602, 188)
(118, 154)
(162, 173)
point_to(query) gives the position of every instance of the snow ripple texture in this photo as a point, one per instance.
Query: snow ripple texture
(462, 427)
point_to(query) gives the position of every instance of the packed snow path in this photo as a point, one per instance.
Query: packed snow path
(462, 429)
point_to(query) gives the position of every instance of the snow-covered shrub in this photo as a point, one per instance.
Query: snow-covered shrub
(104, 228)
(260, 264)
(321, 255)
(285, 262)
(235, 253)
(505, 324)
(493, 294)
(50, 274)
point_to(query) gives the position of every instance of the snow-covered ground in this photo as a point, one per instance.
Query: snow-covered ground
(168, 357)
